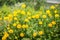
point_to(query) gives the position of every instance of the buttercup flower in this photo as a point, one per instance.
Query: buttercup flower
(15, 14)
(15, 18)
(28, 13)
(5, 36)
(53, 22)
(34, 34)
(43, 16)
(10, 31)
(26, 20)
(6, 18)
(29, 18)
(50, 25)
(40, 12)
(18, 11)
(56, 15)
(21, 34)
(33, 16)
(37, 16)
(18, 26)
(41, 32)
(23, 5)
(48, 11)
(23, 12)
(10, 16)
(50, 15)
(40, 22)
(52, 7)
(25, 26)
(14, 24)
(55, 11)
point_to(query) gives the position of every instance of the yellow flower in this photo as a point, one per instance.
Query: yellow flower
(55, 11)
(18, 11)
(33, 16)
(14, 24)
(52, 7)
(25, 26)
(48, 11)
(56, 15)
(5, 18)
(43, 16)
(23, 12)
(19, 26)
(53, 22)
(29, 18)
(26, 20)
(15, 18)
(50, 15)
(41, 32)
(50, 25)
(0, 18)
(37, 16)
(5, 36)
(10, 31)
(23, 5)
(21, 34)
(40, 12)
(14, 13)
(34, 34)
(40, 22)
(10, 16)
(28, 13)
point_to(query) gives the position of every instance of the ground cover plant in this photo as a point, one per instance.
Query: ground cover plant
(25, 23)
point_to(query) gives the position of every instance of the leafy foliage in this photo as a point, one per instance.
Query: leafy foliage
(23, 22)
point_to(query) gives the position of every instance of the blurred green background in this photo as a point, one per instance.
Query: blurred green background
(33, 3)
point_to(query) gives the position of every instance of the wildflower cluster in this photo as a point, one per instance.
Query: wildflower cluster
(25, 22)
